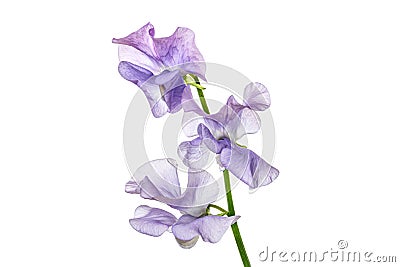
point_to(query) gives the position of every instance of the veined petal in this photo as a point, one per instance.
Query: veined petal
(132, 187)
(248, 166)
(190, 105)
(151, 221)
(257, 97)
(194, 154)
(141, 39)
(176, 51)
(134, 73)
(243, 121)
(153, 94)
(180, 49)
(193, 115)
(201, 190)
(210, 141)
(137, 57)
(249, 123)
(162, 174)
(164, 92)
(232, 121)
(211, 228)
(143, 57)
(158, 180)
(174, 88)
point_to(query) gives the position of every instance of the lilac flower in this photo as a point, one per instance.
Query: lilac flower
(219, 132)
(158, 180)
(158, 65)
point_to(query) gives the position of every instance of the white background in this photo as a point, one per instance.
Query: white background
(332, 68)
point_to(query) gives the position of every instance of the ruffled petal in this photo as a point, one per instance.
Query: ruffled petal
(164, 92)
(232, 121)
(158, 180)
(174, 88)
(201, 190)
(132, 187)
(211, 228)
(210, 141)
(160, 174)
(180, 49)
(249, 123)
(137, 57)
(193, 115)
(134, 73)
(153, 94)
(141, 39)
(248, 166)
(257, 97)
(194, 154)
(151, 221)
(242, 121)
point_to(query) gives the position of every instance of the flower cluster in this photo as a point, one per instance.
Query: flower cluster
(158, 65)
(165, 69)
(158, 180)
(218, 133)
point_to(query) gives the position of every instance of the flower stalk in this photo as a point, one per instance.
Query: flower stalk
(227, 182)
(200, 93)
(235, 226)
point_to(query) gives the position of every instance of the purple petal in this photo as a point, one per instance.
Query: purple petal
(209, 140)
(157, 53)
(193, 115)
(180, 48)
(194, 154)
(154, 96)
(159, 177)
(152, 221)
(248, 166)
(211, 228)
(232, 121)
(132, 187)
(190, 105)
(173, 98)
(243, 121)
(142, 40)
(134, 73)
(201, 190)
(137, 57)
(257, 96)
(249, 123)
(174, 88)
(158, 180)
(164, 92)
(226, 121)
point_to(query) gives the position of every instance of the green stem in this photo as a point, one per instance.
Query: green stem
(200, 93)
(203, 101)
(235, 226)
(228, 191)
(231, 209)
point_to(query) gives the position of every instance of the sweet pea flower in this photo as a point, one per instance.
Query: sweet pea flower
(158, 65)
(218, 133)
(158, 180)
